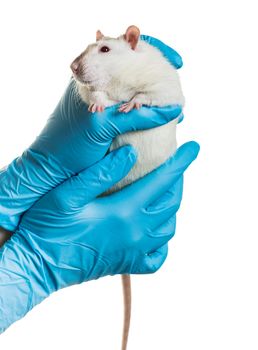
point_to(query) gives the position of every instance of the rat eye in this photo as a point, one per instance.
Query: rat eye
(104, 49)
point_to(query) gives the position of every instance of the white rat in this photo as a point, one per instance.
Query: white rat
(129, 70)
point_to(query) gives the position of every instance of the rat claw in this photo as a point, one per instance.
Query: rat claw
(92, 108)
(128, 109)
(100, 108)
(95, 108)
(128, 106)
(121, 108)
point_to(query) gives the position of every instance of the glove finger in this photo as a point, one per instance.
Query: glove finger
(166, 230)
(162, 234)
(166, 206)
(145, 118)
(171, 197)
(152, 186)
(153, 261)
(90, 183)
(174, 58)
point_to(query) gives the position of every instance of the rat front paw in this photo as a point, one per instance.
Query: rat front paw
(128, 106)
(95, 108)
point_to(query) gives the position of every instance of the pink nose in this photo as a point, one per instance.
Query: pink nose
(75, 67)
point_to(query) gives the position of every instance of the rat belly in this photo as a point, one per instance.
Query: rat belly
(154, 147)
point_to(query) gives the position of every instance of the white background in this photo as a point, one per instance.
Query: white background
(206, 294)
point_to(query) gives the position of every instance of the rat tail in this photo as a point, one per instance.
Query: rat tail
(126, 282)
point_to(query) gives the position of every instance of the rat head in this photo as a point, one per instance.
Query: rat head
(104, 60)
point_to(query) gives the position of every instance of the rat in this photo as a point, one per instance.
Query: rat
(131, 73)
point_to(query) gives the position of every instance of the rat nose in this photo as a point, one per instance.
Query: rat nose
(75, 66)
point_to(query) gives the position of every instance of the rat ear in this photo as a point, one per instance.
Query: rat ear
(132, 36)
(99, 35)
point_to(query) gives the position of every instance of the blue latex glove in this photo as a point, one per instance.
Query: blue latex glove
(73, 139)
(174, 58)
(69, 236)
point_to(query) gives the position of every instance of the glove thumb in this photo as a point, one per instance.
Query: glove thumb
(90, 183)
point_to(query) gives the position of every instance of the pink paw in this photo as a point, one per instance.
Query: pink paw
(128, 106)
(95, 108)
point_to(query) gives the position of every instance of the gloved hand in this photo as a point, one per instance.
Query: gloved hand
(174, 58)
(73, 139)
(69, 236)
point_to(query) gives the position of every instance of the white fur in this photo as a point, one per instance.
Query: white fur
(142, 75)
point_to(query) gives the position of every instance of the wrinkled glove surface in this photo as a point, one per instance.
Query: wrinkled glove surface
(72, 235)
